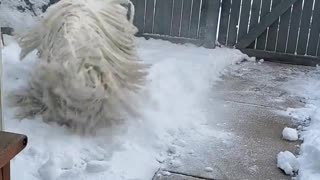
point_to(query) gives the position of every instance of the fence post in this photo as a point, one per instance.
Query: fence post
(212, 23)
(1, 72)
(1, 95)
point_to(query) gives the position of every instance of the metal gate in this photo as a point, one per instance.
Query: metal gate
(278, 30)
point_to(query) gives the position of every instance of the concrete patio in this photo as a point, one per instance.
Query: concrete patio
(250, 98)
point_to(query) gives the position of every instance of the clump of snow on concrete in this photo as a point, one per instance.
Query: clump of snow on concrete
(307, 86)
(165, 173)
(208, 169)
(179, 82)
(290, 134)
(287, 162)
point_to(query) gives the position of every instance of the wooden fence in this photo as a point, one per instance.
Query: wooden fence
(179, 20)
(277, 30)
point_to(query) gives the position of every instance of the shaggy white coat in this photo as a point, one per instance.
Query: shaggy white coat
(89, 70)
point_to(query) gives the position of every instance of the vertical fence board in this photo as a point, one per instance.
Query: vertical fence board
(193, 33)
(233, 24)
(224, 21)
(261, 40)
(212, 23)
(244, 18)
(273, 30)
(315, 29)
(318, 51)
(163, 16)
(148, 28)
(283, 31)
(186, 15)
(176, 18)
(304, 27)
(203, 19)
(294, 27)
(255, 9)
(139, 18)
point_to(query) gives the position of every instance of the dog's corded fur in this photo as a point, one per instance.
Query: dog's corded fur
(89, 69)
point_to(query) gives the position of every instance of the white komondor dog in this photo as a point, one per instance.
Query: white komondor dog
(88, 71)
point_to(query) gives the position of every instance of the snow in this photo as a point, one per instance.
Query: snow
(165, 173)
(208, 169)
(290, 134)
(96, 166)
(173, 101)
(307, 86)
(22, 19)
(287, 162)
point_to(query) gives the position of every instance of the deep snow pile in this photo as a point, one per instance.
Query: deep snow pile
(308, 87)
(176, 93)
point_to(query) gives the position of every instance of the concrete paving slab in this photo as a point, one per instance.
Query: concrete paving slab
(243, 107)
(251, 154)
(260, 85)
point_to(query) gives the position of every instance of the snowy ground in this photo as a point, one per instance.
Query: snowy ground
(175, 98)
(179, 82)
(307, 86)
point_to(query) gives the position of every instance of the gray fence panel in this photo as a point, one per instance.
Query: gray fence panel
(265, 9)
(139, 18)
(294, 27)
(163, 17)
(273, 30)
(193, 21)
(244, 18)
(176, 18)
(233, 22)
(265, 23)
(186, 18)
(255, 9)
(283, 31)
(315, 29)
(149, 15)
(203, 19)
(304, 27)
(224, 21)
(194, 26)
(212, 23)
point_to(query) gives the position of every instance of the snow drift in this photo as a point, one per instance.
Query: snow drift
(89, 70)
(307, 86)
